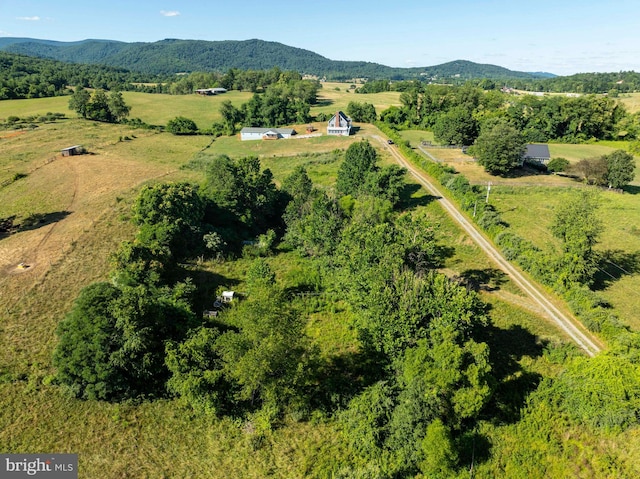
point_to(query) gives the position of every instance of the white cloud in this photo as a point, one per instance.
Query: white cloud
(5, 34)
(169, 13)
(29, 19)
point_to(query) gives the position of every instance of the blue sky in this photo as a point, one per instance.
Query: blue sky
(561, 36)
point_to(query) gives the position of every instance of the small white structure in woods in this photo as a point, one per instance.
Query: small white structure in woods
(339, 124)
(227, 296)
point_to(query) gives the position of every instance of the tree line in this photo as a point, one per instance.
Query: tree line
(456, 114)
(28, 77)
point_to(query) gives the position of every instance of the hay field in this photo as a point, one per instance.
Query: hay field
(158, 109)
(152, 108)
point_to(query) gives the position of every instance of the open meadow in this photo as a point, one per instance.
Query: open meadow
(72, 213)
(336, 96)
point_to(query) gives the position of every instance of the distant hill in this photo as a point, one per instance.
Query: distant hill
(175, 56)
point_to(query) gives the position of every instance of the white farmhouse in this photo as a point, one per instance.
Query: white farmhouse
(339, 124)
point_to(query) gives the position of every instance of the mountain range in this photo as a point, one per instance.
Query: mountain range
(172, 56)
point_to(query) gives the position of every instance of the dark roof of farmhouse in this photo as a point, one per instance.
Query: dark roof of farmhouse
(537, 151)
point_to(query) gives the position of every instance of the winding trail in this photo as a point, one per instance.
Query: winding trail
(571, 327)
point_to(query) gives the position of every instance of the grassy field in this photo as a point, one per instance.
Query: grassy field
(530, 211)
(85, 202)
(158, 109)
(336, 96)
(154, 109)
(631, 101)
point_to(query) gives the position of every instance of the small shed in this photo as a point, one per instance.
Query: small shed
(72, 150)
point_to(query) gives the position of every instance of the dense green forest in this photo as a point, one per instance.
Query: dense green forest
(176, 56)
(29, 77)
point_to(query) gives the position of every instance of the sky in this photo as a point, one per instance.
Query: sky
(562, 36)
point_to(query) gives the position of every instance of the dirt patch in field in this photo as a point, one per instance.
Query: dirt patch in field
(12, 134)
(72, 193)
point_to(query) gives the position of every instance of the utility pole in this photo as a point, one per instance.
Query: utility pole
(488, 190)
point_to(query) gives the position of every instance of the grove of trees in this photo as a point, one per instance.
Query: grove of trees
(99, 106)
(139, 336)
(283, 103)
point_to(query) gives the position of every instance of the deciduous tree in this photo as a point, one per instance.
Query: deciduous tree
(578, 226)
(359, 160)
(456, 127)
(620, 168)
(499, 148)
(79, 101)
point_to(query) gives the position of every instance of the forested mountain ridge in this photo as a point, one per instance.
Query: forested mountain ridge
(175, 56)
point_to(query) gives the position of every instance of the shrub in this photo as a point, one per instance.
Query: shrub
(182, 126)
(558, 164)
(603, 392)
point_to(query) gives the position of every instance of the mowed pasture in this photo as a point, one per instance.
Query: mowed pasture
(152, 108)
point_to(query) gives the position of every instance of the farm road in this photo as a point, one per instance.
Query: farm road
(570, 326)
